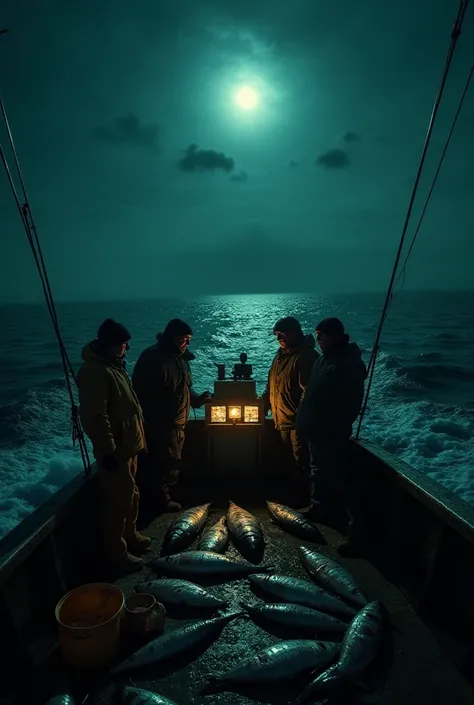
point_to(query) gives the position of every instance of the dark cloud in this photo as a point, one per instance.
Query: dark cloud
(334, 159)
(240, 177)
(205, 160)
(350, 136)
(129, 130)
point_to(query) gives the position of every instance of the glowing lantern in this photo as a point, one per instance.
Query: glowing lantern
(229, 414)
(235, 401)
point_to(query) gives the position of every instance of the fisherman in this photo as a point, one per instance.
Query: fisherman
(287, 380)
(331, 405)
(163, 383)
(111, 417)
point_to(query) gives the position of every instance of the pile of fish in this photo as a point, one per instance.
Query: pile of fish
(330, 606)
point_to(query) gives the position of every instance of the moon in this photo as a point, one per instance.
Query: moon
(246, 98)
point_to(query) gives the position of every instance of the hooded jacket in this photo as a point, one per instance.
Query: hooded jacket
(163, 382)
(287, 380)
(108, 407)
(334, 395)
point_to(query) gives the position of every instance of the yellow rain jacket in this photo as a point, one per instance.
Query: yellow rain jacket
(109, 409)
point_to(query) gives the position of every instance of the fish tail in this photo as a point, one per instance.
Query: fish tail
(267, 568)
(246, 607)
(236, 615)
(330, 679)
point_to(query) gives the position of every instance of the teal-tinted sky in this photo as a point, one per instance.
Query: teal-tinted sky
(105, 98)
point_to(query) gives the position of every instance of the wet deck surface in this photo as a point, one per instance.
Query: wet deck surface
(410, 670)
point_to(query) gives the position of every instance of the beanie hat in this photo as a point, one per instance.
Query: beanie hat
(289, 324)
(177, 327)
(332, 327)
(112, 333)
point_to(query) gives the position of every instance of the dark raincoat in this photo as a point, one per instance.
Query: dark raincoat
(163, 382)
(287, 380)
(108, 406)
(334, 395)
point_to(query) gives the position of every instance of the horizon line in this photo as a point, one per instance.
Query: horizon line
(143, 299)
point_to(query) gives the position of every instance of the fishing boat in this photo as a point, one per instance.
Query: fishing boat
(419, 557)
(419, 562)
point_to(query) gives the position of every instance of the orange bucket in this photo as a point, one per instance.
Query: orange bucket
(88, 620)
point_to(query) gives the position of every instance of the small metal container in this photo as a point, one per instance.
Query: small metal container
(143, 615)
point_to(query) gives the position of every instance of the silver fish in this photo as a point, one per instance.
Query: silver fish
(358, 649)
(292, 521)
(332, 576)
(296, 617)
(246, 533)
(184, 529)
(204, 563)
(172, 591)
(174, 642)
(130, 695)
(62, 699)
(216, 538)
(280, 661)
(301, 592)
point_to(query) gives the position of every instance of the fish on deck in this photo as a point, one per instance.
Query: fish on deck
(215, 538)
(301, 592)
(411, 665)
(174, 643)
(246, 533)
(332, 576)
(184, 529)
(281, 661)
(294, 522)
(358, 649)
(204, 563)
(130, 695)
(176, 592)
(295, 617)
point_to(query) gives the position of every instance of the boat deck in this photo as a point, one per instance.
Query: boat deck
(411, 668)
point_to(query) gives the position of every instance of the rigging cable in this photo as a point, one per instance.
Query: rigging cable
(455, 34)
(33, 240)
(435, 178)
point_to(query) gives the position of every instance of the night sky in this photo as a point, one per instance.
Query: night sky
(146, 178)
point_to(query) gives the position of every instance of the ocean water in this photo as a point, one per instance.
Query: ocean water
(421, 406)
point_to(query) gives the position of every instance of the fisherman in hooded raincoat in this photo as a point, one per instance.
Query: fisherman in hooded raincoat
(287, 380)
(111, 416)
(163, 382)
(330, 407)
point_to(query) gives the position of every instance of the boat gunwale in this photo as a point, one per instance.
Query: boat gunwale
(455, 511)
